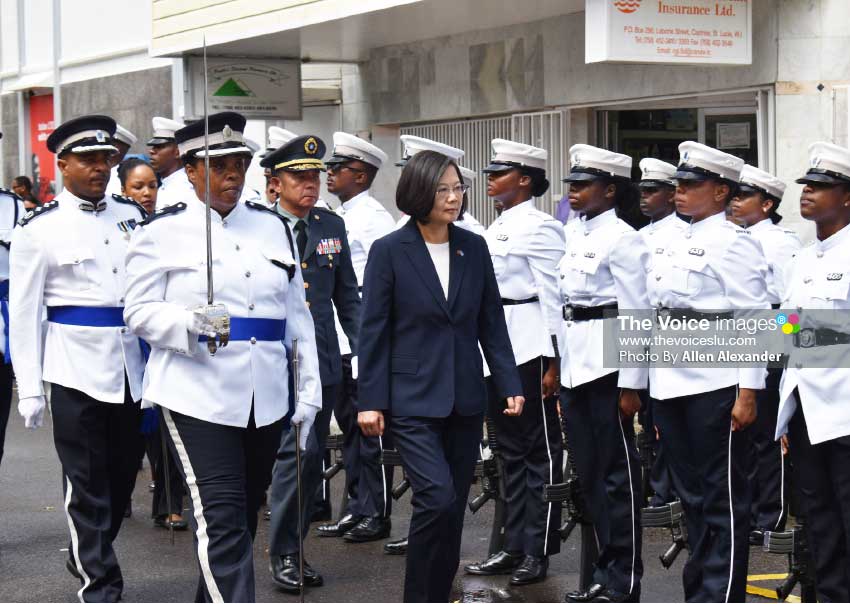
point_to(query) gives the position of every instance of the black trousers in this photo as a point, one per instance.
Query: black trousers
(227, 471)
(769, 506)
(660, 482)
(602, 444)
(532, 450)
(822, 477)
(368, 482)
(439, 457)
(283, 499)
(161, 504)
(711, 462)
(6, 378)
(99, 446)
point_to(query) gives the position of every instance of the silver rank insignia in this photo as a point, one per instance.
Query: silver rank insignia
(696, 251)
(835, 276)
(502, 237)
(590, 254)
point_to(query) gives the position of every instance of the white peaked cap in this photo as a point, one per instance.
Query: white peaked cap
(652, 169)
(415, 144)
(124, 135)
(278, 137)
(347, 147)
(764, 181)
(708, 161)
(468, 175)
(828, 163)
(164, 129)
(511, 154)
(589, 163)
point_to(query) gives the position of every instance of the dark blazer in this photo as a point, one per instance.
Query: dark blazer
(329, 278)
(419, 352)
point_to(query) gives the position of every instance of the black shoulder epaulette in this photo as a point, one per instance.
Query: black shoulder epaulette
(130, 202)
(258, 206)
(11, 194)
(36, 212)
(166, 211)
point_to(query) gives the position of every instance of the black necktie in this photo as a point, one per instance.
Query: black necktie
(301, 237)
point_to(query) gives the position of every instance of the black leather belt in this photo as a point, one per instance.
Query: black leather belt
(586, 313)
(509, 302)
(809, 338)
(688, 313)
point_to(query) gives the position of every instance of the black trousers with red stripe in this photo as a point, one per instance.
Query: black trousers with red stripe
(532, 449)
(227, 471)
(602, 445)
(99, 446)
(709, 464)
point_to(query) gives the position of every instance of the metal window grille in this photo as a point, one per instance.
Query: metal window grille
(547, 129)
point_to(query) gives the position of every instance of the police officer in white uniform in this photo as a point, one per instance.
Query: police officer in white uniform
(11, 210)
(68, 255)
(224, 413)
(814, 391)
(123, 140)
(526, 246)
(709, 270)
(657, 190)
(415, 144)
(603, 270)
(165, 160)
(351, 170)
(755, 209)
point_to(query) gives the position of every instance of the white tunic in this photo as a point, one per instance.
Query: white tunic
(711, 265)
(606, 262)
(526, 246)
(174, 188)
(11, 210)
(166, 276)
(779, 246)
(72, 257)
(819, 278)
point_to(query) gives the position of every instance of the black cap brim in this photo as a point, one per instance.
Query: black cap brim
(581, 177)
(688, 175)
(497, 167)
(654, 184)
(156, 141)
(817, 177)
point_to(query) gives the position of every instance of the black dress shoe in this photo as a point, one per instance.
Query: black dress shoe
(267, 514)
(611, 595)
(285, 573)
(501, 563)
(151, 486)
(532, 570)
(371, 528)
(321, 512)
(396, 548)
(340, 527)
(757, 537)
(586, 595)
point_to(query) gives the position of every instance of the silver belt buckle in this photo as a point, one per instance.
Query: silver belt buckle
(807, 337)
(568, 312)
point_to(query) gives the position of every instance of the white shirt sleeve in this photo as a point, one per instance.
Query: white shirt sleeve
(544, 253)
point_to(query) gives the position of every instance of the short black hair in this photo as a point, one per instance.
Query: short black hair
(419, 181)
(128, 165)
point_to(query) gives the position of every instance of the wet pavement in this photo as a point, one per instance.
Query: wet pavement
(34, 538)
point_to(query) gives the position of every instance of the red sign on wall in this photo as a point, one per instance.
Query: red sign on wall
(41, 125)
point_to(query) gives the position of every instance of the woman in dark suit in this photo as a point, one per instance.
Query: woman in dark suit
(429, 298)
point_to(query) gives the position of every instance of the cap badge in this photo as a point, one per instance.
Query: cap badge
(100, 136)
(834, 276)
(227, 132)
(311, 146)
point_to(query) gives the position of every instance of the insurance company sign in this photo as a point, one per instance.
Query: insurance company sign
(669, 31)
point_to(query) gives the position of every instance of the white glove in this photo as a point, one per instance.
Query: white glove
(32, 410)
(304, 416)
(201, 324)
(354, 368)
